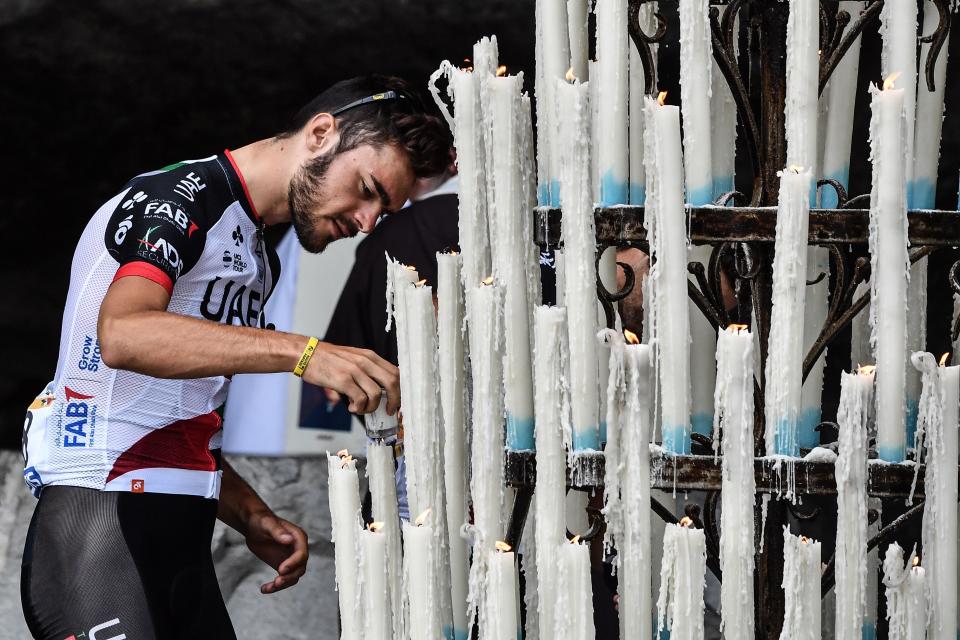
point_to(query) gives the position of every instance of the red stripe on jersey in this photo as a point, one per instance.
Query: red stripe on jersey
(145, 270)
(185, 444)
(243, 183)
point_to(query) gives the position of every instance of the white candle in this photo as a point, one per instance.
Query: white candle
(888, 261)
(612, 81)
(680, 604)
(801, 588)
(502, 615)
(514, 255)
(696, 62)
(400, 279)
(906, 595)
(723, 112)
(468, 137)
(452, 403)
(803, 67)
(551, 406)
(553, 60)
(638, 179)
(898, 28)
(839, 98)
(703, 349)
(816, 302)
(873, 574)
(381, 478)
(938, 419)
(851, 563)
(375, 617)
(577, 14)
(574, 594)
(580, 276)
(669, 315)
(929, 118)
(785, 342)
(734, 414)
(344, 497)
(423, 621)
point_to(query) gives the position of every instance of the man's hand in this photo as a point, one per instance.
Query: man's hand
(359, 374)
(281, 544)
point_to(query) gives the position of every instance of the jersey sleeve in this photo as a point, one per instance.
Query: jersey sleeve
(154, 236)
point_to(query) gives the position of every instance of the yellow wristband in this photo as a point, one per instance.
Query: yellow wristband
(305, 358)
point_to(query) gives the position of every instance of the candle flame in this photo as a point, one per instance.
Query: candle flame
(686, 522)
(487, 281)
(631, 337)
(575, 539)
(501, 71)
(944, 358)
(891, 80)
(409, 267)
(467, 66)
(420, 519)
(502, 546)
(342, 453)
(916, 561)
(866, 370)
(345, 461)
(569, 75)
(736, 327)
(795, 168)
(375, 526)
(420, 283)
(662, 98)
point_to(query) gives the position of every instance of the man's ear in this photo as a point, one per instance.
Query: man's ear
(321, 133)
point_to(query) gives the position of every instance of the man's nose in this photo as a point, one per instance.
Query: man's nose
(366, 217)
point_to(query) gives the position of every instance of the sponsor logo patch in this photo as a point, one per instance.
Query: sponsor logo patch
(190, 186)
(89, 355)
(78, 419)
(122, 229)
(160, 252)
(139, 196)
(136, 486)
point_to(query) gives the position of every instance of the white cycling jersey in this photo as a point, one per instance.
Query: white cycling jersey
(191, 228)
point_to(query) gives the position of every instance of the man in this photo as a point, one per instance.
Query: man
(165, 304)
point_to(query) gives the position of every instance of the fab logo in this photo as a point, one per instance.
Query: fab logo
(80, 415)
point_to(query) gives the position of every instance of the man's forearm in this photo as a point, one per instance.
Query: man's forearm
(169, 345)
(238, 500)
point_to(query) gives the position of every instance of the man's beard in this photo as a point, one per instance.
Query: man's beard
(307, 190)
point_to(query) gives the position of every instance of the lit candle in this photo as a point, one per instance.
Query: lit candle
(376, 618)
(696, 63)
(734, 416)
(452, 403)
(577, 14)
(801, 587)
(580, 275)
(551, 406)
(423, 621)
(851, 570)
(906, 595)
(938, 420)
(680, 604)
(381, 478)
(575, 593)
(785, 343)
(839, 99)
(502, 615)
(638, 179)
(670, 319)
(612, 86)
(344, 497)
(898, 28)
(889, 274)
(553, 60)
(929, 117)
(486, 355)
(514, 255)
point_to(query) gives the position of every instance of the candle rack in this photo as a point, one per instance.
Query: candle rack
(742, 240)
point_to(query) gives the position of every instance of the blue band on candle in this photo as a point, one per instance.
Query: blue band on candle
(603, 432)
(722, 185)
(922, 194)
(612, 190)
(520, 433)
(548, 194)
(807, 435)
(828, 195)
(586, 438)
(913, 412)
(785, 440)
(638, 193)
(891, 453)
(868, 631)
(699, 196)
(702, 423)
(676, 439)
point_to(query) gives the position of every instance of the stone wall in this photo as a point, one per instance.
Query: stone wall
(296, 489)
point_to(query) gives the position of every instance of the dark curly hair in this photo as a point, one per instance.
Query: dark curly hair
(404, 121)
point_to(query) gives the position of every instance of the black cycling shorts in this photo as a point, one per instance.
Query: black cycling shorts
(104, 565)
